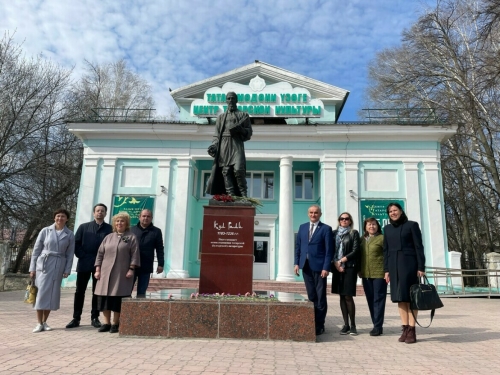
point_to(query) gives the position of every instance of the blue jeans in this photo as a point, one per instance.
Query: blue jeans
(142, 283)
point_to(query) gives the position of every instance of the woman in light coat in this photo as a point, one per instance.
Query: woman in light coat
(116, 260)
(51, 261)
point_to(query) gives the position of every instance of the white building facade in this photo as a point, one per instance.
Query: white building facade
(298, 155)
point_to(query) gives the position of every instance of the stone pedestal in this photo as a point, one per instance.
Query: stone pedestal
(227, 249)
(218, 319)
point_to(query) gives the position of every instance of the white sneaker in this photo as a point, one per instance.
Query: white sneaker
(38, 328)
(46, 327)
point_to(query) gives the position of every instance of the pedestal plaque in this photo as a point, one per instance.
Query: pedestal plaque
(227, 249)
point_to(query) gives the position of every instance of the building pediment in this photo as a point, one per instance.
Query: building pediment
(256, 80)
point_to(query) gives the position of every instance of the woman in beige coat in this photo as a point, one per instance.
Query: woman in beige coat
(116, 260)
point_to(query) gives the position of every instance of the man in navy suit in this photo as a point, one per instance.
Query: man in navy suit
(313, 254)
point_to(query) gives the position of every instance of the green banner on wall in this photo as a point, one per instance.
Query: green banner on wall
(376, 208)
(133, 205)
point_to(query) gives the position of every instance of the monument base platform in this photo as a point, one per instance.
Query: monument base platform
(218, 318)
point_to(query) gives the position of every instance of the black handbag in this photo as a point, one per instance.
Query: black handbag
(424, 296)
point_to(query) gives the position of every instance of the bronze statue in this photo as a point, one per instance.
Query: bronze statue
(232, 128)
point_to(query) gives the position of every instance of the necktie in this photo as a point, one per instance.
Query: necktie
(311, 231)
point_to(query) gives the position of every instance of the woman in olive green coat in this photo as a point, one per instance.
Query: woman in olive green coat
(372, 273)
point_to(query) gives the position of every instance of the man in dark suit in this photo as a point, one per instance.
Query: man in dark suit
(88, 238)
(150, 240)
(313, 254)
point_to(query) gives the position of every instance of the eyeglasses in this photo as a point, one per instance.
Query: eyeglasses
(344, 219)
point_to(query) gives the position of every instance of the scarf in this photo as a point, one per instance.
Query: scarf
(339, 244)
(402, 219)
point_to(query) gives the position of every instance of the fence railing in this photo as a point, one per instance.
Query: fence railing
(25, 261)
(460, 282)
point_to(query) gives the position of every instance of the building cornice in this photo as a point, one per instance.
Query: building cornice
(272, 133)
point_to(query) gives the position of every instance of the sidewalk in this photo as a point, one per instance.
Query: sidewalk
(463, 339)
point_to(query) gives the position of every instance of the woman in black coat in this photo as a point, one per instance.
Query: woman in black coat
(345, 267)
(404, 263)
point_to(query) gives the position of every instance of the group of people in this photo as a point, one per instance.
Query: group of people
(116, 256)
(395, 257)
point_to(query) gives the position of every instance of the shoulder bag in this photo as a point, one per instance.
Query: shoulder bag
(424, 296)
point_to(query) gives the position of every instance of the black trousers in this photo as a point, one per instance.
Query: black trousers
(376, 295)
(82, 280)
(316, 292)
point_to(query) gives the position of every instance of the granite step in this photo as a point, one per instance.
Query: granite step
(270, 285)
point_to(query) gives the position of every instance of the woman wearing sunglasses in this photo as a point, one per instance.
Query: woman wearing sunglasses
(345, 270)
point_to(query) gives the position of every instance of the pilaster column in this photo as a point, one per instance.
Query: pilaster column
(329, 192)
(107, 181)
(181, 188)
(412, 192)
(87, 191)
(434, 216)
(161, 205)
(351, 184)
(286, 246)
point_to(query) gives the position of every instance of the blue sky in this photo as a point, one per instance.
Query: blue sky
(172, 43)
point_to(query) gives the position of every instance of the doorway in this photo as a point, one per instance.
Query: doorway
(261, 244)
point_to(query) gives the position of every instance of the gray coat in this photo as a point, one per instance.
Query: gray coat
(115, 256)
(52, 256)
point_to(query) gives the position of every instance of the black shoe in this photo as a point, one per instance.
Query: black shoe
(96, 323)
(354, 331)
(73, 324)
(320, 331)
(104, 328)
(376, 331)
(114, 328)
(345, 330)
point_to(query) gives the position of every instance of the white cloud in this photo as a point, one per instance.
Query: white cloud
(173, 43)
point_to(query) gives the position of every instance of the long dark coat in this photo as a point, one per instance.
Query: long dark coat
(215, 183)
(403, 257)
(52, 256)
(115, 256)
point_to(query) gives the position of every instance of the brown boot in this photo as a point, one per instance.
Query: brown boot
(403, 335)
(411, 336)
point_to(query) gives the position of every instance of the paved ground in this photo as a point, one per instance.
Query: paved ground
(464, 339)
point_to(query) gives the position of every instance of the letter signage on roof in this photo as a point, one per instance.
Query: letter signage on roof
(261, 100)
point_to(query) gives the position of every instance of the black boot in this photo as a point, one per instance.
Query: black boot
(242, 182)
(229, 185)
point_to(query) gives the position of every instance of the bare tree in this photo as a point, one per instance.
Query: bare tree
(448, 63)
(40, 161)
(111, 92)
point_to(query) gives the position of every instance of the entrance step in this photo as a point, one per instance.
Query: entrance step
(270, 285)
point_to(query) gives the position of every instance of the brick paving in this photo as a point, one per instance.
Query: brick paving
(464, 339)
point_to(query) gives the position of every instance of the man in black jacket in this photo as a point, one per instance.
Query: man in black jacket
(88, 238)
(150, 239)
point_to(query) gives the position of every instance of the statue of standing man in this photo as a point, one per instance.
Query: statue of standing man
(232, 128)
